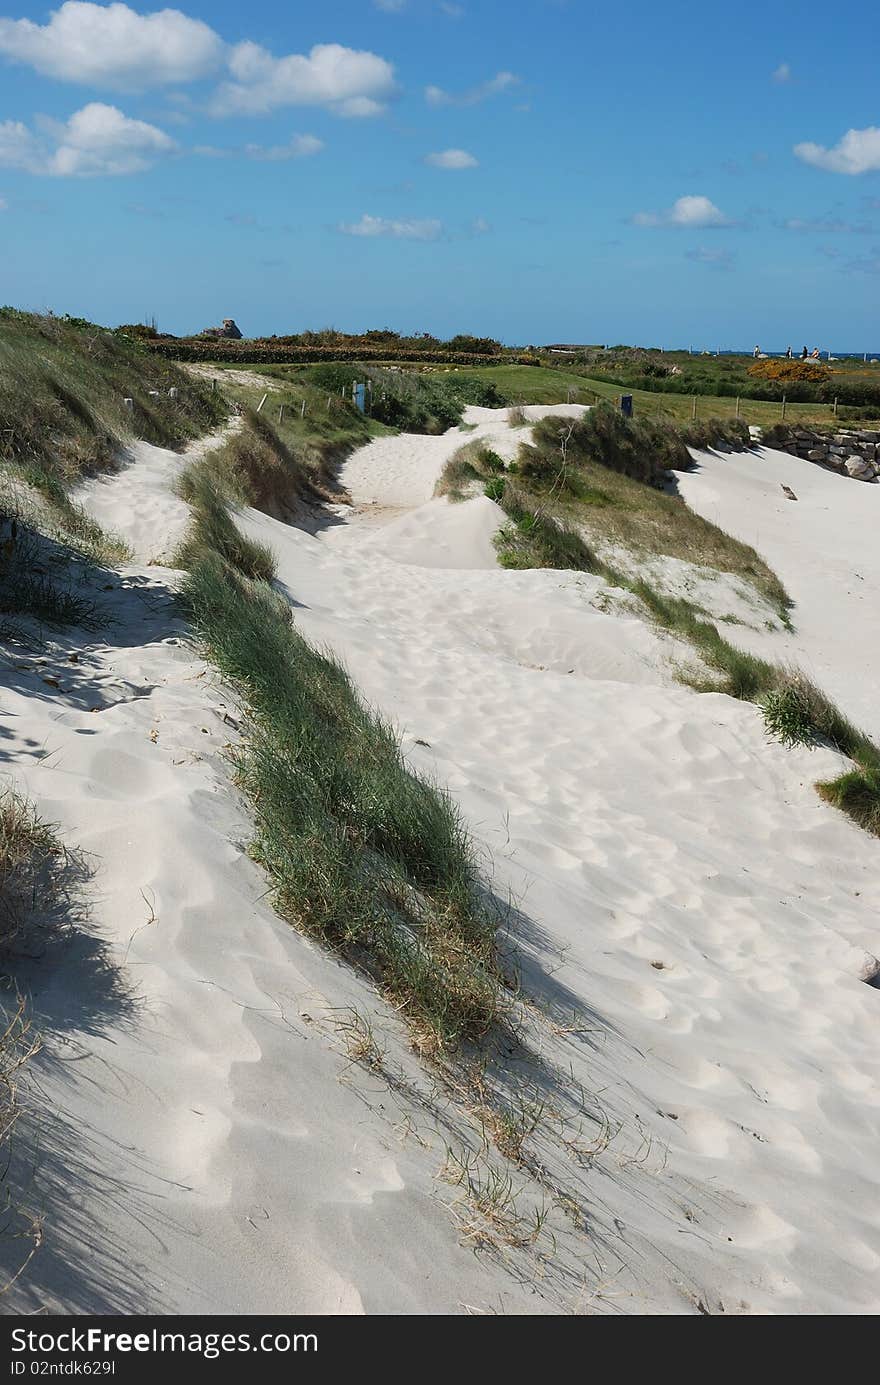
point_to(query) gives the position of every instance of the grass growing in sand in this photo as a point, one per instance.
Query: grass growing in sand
(582, 482)
(361, 852)
(63, 384)
(28, 850)
(556, 501)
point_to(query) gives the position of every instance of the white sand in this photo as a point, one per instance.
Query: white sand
(824, 546)
(695, 921)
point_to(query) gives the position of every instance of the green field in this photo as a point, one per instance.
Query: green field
(540, 385)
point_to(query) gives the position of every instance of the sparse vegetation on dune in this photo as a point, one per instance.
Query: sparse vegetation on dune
(560, 493)
(29, 851)
(361, 852)
(596, 492)
(63, 386)
(63, 415)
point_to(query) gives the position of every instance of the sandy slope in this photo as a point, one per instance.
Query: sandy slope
(825, 548)
(693, 922)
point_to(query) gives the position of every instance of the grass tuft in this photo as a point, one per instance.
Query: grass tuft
(362, 853)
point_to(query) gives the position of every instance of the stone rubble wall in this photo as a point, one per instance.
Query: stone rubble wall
(853, 452)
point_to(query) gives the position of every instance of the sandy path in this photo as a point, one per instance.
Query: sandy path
(138, 501)
(693, 918)
(825, 549)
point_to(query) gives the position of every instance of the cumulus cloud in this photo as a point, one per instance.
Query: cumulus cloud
(782, 75)
(348, 82)
(687, 211)
(451, 158)
(398, 230)
(858, 151)
(113, 46)
(96, 141)
(502, 81)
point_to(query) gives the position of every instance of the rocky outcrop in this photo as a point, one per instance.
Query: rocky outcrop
(229, 331)
(853, 452)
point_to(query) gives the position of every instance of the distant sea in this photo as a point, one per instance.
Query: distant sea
(823, 355)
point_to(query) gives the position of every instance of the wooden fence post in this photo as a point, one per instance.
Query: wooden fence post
(262, 402)
(694, 410)
(835, 406)
(302, 412)
(783, 406)
(281, 413)
(737, 406)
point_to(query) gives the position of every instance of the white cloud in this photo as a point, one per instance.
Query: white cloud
(348, 82)
(686, 211)
(399, 230)
(436, 96)
(858, 151)
(480, 226)
(782, 75)
(299, 147)
(4, 205)
(96, 141)
(113, 46)
(451, 158)
(390, 6)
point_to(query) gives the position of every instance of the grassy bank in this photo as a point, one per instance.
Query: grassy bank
(362, 853)
(63, 415)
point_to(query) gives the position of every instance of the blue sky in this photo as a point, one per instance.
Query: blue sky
(543, 171)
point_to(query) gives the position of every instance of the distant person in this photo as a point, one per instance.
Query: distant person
(814, 354)
(804, 354)
(788, 353)
(756, 353)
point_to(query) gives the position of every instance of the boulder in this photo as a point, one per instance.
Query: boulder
(229, 330)
(859, 468)
(816, 454)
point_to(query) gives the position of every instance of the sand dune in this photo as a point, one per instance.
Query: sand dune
(693, 921)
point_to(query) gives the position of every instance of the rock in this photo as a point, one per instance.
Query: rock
(229, 330)
(816, 454)
(859, 468)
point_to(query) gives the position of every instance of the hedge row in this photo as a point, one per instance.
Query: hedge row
(255, 353)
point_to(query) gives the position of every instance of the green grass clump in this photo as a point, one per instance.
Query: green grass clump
(211, 529)
(361, 852)
(856, 793)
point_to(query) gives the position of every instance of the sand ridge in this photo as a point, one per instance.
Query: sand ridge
(694, 925)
